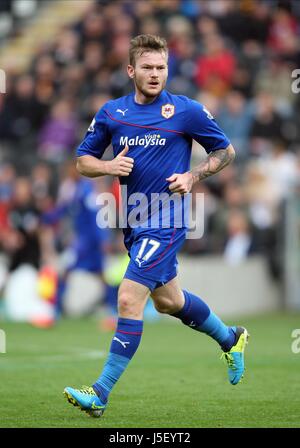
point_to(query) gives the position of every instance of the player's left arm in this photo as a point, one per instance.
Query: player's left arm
(214, 162)
(202, 127)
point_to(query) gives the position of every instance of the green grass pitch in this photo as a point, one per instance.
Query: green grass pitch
(176, 379)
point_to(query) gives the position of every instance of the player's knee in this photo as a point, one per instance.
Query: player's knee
(127, 305)
(164, 306)
(161, 308)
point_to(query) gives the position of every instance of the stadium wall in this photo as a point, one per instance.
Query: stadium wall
(231, 290)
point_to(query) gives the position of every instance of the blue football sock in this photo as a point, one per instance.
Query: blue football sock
(124, 345)
(197, 315)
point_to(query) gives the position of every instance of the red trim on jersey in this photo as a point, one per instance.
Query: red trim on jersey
(140, 126)
(164, 252)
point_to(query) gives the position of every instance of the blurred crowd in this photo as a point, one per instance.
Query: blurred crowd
(235, 57)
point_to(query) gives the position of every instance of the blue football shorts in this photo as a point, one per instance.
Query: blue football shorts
(152, 253)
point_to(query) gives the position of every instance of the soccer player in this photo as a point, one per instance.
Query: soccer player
(151, 132)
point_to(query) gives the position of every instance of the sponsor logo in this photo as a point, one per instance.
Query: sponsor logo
(139, 261)
(123, 112)
(123, 343)
(145, 141)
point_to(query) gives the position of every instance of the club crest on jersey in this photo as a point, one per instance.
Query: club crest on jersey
(168, 110)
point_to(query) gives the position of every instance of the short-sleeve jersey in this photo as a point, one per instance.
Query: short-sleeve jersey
(159, 136)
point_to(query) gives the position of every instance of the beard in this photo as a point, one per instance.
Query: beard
(148, 93)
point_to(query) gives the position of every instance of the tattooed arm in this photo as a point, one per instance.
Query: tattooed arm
(214, 162)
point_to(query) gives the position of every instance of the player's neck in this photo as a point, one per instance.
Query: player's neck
(140, 98)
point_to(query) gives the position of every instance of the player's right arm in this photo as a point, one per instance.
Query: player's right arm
(91, 149)
(90, 166)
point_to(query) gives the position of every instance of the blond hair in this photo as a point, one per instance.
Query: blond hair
(146, 42)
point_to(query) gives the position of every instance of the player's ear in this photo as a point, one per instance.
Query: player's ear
(130, 71)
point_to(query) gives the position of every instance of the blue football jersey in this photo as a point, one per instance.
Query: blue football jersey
(159, 136)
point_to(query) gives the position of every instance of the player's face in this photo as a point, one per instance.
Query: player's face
(149, 73)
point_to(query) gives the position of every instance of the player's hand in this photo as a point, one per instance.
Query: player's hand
(180, 183)
(120, 165)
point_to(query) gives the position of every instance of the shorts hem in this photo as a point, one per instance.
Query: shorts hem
(149, 284)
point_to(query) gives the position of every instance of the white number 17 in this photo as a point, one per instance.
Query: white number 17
(145, 256)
